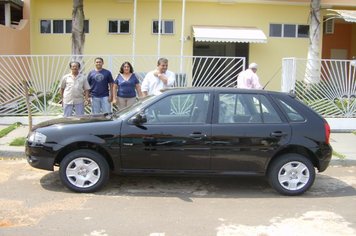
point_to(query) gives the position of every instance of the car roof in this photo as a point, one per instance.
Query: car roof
(221, 89)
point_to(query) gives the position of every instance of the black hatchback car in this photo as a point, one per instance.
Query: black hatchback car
(207, 131)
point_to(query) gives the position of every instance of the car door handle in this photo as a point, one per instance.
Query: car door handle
(278, 134)
(197, 136)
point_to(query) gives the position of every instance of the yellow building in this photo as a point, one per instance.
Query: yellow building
(263, 31)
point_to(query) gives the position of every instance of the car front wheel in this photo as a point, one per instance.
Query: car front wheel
(291, 174)
(84, 171)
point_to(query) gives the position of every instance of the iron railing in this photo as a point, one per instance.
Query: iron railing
(42, 73)
(332, 94)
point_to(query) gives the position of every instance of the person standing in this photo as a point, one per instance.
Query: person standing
(74, 89)
(101, 83)
(158, 79)
(126, 86)
(248, 79)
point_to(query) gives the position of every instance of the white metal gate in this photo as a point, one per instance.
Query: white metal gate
(42, 73)
(333, 95)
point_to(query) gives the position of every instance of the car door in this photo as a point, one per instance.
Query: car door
(175, 137)
(247, 130)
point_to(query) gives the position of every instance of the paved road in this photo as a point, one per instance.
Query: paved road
(34, 202)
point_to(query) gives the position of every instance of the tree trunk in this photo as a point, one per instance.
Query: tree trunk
(312, 73)
(78, 36)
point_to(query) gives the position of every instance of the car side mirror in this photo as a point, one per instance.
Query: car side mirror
(138, 119)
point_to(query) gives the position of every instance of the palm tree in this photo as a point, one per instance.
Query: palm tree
(78, 36)
(312, 73)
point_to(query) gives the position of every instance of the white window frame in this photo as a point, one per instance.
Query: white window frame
(163, 27)
(119, 26)
(282, 32)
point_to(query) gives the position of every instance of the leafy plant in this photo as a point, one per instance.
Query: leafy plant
(18, 141)
(339, 155)
(8, 129)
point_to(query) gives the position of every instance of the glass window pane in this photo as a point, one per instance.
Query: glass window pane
(45, 26)
(58, 27)
(168, 27)
(182, 109)
(269, 114)
(155, 27)
(124, 26)
(233, 108)
(303, 31)
(275, 30)
(68, 26)
(292, 114)
(113, 26)
(86, 26)
(289, 31)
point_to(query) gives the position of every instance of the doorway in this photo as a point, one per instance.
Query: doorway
(207, 61)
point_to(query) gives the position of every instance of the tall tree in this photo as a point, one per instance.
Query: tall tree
(312, 73)
(78, 36)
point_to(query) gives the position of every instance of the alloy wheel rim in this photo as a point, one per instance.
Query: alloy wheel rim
(83, 172)
(293, 175)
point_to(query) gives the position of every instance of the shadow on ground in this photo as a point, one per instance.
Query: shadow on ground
(205, 187)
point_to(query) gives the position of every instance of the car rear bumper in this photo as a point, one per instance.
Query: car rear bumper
(326, 153)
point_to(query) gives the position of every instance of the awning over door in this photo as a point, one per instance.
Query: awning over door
(347, 15)
(228, 34)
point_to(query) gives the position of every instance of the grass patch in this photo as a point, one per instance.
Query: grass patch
(8, 129)
(339, 155)
(354, 132)
(18, 141)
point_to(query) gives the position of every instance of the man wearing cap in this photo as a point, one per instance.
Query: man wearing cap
(248, 79)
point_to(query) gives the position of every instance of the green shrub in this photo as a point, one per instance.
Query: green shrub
(8, 129)
(18, 141)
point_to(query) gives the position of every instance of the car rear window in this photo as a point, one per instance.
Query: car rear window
(293, 114)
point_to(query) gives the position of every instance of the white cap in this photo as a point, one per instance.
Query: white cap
(253, 66)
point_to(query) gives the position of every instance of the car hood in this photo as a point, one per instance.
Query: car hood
(74, 120)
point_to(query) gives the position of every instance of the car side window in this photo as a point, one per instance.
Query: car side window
(292, 114)
(246, 108)
(180, 108)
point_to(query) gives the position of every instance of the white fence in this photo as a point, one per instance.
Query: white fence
(42, 73)
(332, 94)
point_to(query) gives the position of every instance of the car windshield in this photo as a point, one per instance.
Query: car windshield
(128, 109)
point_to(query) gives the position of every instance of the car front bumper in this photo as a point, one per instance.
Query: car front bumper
(40, 157)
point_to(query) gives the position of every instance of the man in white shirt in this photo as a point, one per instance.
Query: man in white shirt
(72, 87)
(158, 79)
(248, 79)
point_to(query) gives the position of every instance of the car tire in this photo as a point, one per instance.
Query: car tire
(291, 174)
(84, 171)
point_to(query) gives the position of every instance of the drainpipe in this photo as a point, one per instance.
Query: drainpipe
(134, 34)
(7, 14)
(159, 29)
(182, 38)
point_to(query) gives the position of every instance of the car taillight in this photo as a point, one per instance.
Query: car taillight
(327, 132)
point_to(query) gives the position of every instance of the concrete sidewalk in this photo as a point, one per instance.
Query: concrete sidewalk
(342, 143)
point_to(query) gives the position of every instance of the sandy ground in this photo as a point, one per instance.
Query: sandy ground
(34, 202)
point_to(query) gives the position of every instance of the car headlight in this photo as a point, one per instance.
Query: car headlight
(37, 137)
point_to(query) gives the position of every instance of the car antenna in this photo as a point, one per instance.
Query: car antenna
(279, 69)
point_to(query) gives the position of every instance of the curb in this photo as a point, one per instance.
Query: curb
(6, 151)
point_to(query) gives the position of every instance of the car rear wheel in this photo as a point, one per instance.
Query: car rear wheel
(84, 171)
(291, 174)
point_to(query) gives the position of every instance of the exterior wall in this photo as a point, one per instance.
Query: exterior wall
(99, 41)
(353, 41)
(340, 39)
(16, 40)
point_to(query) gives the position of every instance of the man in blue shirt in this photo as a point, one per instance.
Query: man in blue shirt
(101, 84)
